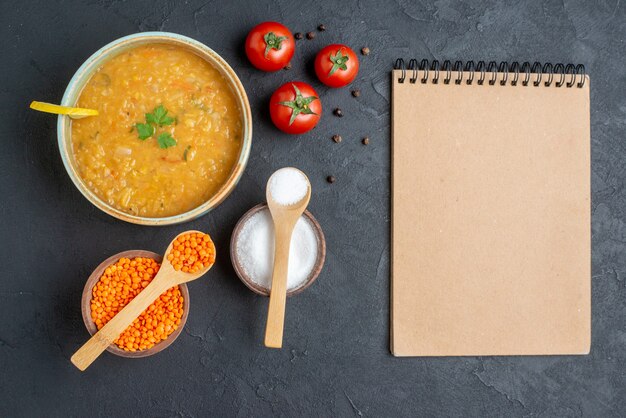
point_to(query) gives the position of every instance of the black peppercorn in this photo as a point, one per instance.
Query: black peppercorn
(310, 35)
(337, 138)
(287, 67)
(337, 112)
(330, 179)
(298, 35)
(321, 28)
(356, 93)
(365, 140)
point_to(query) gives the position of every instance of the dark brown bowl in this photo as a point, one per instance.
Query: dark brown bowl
(319, 263)
(86, 305)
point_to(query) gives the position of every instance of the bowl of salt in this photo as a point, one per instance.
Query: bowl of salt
(252, 251)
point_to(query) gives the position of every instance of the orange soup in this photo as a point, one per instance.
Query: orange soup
(168, 133)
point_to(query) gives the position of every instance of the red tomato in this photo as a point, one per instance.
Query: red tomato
(295, 108)
(336, 65)
(270, 46)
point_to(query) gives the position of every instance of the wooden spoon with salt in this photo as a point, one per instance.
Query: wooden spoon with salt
(287, 199)
(166, 278)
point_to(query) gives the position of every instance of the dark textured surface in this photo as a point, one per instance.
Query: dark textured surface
(336, 360)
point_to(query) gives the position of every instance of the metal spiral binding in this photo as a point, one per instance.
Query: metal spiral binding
(399, 65)
(494, 73)
(413, 68)
(560, 75)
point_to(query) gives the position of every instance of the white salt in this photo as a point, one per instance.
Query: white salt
(255, 250)
(288, 186)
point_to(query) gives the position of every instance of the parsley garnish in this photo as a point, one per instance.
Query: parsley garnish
(165, 140)
(145, 130)
(158, 118)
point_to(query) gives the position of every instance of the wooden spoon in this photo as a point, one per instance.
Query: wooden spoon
(285, 218)
(166, 278)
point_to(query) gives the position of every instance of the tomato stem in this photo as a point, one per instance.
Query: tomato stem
(300, 105)
(272, 42)
(339, 62)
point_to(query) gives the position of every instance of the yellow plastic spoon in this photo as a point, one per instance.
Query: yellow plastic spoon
(72, 112)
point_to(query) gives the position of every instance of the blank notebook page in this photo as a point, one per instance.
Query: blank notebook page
(491, 241)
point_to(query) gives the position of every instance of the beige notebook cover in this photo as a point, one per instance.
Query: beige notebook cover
(491, 240)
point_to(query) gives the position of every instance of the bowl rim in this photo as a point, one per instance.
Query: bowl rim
(86, 305)
(255, 287)
(95, 61)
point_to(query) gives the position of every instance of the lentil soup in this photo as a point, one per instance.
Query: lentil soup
(168, 133)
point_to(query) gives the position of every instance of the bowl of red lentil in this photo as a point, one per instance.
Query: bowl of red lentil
(114, 283)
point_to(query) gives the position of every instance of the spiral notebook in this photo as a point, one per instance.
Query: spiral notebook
(491, 241)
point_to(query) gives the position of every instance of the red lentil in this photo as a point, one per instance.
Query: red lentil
(119, 284)
(192, 252)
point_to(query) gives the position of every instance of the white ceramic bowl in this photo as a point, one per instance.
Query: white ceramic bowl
(109, 51)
